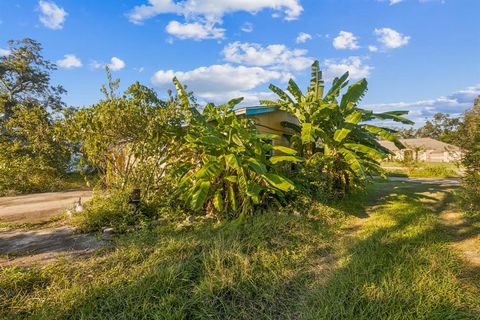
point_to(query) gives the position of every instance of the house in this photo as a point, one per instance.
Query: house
(269, 120)
(424, 149)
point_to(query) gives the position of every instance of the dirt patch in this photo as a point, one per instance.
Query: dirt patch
(20, 247)
(465, 235)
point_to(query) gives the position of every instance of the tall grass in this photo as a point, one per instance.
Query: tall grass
(399, 265)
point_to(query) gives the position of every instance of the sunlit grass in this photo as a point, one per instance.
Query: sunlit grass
(396, 265)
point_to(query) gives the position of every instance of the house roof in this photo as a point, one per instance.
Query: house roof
(423, 143)
(249, 111)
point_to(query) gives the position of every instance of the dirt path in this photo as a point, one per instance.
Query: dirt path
(39, 207)
(20, 246)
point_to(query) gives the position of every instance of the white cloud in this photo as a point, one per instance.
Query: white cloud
(422, 110)
(346, 40)
(116, 64)
(195, 30)
(354, 65)
(303, 37)
(213, 9)
(390, 38)
(51, 15)
(392, 2)
(275, 56)
(94, 64)
(247, 27)
(372, 48)
(69, 61)
(219, 83)
(201, 17)
(4, 52)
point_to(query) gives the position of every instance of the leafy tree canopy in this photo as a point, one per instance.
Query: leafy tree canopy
(25, 79)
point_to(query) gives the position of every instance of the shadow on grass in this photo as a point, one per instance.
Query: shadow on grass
(401, 267)
(261, 267)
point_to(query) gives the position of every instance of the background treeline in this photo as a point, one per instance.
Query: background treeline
(459, 131)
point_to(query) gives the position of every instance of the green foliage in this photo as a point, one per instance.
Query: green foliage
(131, 140)
(33, 154)
(25, 80)
(332, 131)
(228, 171)
(471, 161)
(112, 210)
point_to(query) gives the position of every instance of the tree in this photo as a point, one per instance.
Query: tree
(442, 127)
(25, 80)
(33, 154)
(228, 172)
(129, 139)
(335, 132)
(471, 160)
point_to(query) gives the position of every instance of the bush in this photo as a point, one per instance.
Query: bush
(33, 155)
(113, 210)
(229, 172)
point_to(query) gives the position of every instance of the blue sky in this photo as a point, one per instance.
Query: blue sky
(419, 55)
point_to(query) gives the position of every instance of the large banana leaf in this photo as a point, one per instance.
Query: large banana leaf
(285, 150)
(277, 159)
(200, 195)
(371, 152)
(279, 182)
(354, 94)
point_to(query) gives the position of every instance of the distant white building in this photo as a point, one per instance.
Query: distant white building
(424, 149)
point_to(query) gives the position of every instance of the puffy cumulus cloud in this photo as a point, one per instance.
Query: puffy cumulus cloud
(202, 16)
(354, 65)
(116, 64)
(195, 30)
(219, 83)
(420, 111)
(213, 9)
(275, 56)
(69, 61)
(390, 38)
(51, 15)
(303, 37)
(4, 52)
(345, 40)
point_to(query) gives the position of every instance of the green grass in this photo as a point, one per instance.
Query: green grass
(422, 170)
(399, 265)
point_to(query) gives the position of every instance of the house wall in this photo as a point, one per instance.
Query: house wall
(431, 156)
(270, 122)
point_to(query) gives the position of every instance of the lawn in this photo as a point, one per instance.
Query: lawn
(423, 169)
(384, 256)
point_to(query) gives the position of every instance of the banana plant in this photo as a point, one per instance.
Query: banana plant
(333, 130)
(230, 172)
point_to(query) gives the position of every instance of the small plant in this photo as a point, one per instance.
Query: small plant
(114, 210)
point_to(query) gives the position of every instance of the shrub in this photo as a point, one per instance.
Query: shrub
(33, 155)
(113, 210)
(228, 171)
